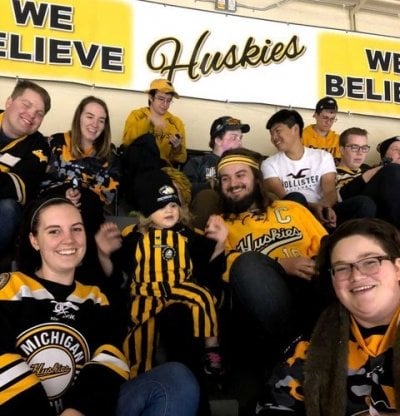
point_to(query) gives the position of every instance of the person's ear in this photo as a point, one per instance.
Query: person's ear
(9, 102)
(33, 241)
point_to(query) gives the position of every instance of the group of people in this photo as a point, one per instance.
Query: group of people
(62, 344)
(292, 240)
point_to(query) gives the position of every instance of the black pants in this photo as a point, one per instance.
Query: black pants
(383, 188)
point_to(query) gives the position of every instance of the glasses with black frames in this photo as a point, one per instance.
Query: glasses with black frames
(356, 148)
(369, 266)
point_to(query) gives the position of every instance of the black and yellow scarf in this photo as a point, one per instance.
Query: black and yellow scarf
(325, 371)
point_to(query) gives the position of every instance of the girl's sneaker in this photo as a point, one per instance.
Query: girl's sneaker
(213, 362)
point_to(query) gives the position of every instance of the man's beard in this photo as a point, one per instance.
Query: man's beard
(230, 206)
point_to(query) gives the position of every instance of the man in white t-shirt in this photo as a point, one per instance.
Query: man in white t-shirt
(307, 175)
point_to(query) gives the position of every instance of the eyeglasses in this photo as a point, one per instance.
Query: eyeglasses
(234, 137)
(329, 119)
(356, 148)
(163, 100)
(368, 266)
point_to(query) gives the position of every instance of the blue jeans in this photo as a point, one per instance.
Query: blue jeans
(10, 217)
(167, 390)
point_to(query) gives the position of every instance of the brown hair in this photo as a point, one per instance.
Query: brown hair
(24, 84)
(102, 144)
(261, 199)
(385, 234)
(28, 259)
(352, 130)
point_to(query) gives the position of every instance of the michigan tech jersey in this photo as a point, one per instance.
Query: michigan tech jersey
(59, 347)
(23, 163)
(286, 229)
(369, 374)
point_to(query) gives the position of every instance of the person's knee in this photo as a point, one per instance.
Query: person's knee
(364, 206)
(9, 208)
(184, 379)
(255, 277)
(177, 382)
(247, 262)
(297, 197)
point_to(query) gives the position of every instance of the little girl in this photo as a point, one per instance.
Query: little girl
(157, 255)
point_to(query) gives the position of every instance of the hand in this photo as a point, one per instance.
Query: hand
(303, 267)
(326, 215)
(175, 141)
(216, 229)
(108, 238)
(71, 412)
(213, 182)
(157, 121)
(74, 195)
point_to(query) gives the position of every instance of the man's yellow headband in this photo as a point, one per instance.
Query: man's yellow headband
(231, 159)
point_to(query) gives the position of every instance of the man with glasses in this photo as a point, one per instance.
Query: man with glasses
(379, 183)
(320, 135)
(153, 138)
(226, 132)
(155, 120)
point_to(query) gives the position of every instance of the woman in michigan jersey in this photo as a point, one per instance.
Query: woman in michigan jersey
(60, 340)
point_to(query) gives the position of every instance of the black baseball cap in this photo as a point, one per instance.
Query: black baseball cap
(326, 103)
(225, 123)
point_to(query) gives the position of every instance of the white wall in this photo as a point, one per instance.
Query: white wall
(198, 114)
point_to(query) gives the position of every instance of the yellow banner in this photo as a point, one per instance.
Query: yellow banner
(77, 40)
(362, 72)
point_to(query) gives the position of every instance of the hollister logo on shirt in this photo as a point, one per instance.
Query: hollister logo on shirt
(299, 174)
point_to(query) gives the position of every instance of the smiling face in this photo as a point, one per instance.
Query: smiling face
(92, 123)
(285, 138)
(371, 299)
(23, 114)
(166, 217)
(60, 238)
(237, 182)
